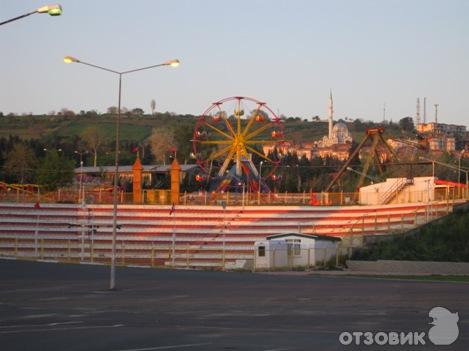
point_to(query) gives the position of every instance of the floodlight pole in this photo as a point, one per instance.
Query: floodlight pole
(53, 10)
(115, 197)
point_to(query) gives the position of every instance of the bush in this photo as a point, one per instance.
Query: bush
(447, 240)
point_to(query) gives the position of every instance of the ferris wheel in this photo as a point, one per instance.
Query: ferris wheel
(233, 134)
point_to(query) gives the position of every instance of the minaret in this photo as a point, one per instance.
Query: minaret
(331, 114)
(417, 115)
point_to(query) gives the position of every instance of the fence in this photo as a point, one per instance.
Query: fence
(85, 249)
(163, 197)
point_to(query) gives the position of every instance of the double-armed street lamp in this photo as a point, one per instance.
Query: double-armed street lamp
(52, 10)
(70, 59)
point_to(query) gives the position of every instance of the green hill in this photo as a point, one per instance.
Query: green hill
(446, 240)
(137, 128)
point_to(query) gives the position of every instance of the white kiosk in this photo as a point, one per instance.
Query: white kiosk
(294, 250)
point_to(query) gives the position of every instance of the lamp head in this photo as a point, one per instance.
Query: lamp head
(173, 63)
(53, 10)
(70, 59)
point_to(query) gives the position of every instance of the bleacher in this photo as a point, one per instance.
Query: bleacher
(194, 236)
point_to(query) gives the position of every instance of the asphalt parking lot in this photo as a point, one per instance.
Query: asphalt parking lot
(47, 306)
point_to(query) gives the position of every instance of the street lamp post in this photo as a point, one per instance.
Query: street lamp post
(459, 166)
(260, 179)
(52, 10)
(81, 191)
(70, 59)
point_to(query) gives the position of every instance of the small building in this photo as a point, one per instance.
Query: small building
(150, 173)
(294, 250)
(415, 190)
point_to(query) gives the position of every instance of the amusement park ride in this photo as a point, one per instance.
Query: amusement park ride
(226, 137)
(375, 136)
(372, 140)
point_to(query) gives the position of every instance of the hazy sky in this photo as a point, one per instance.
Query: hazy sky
(287, 53)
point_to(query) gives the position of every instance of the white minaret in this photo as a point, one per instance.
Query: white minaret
(331, 114)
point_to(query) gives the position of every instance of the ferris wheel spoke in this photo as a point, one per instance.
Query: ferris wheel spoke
(227, 122)
(227, 161)
(220, 152)
(219, 131)
(228, 125)
(216, 142)
(238, 162)
(258, 131)
(254, 142)
(238, 118)
(251, 121)
(258, 153)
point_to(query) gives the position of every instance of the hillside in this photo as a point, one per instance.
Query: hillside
(138, 128)
(447, 240)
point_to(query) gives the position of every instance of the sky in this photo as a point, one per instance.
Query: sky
(289, 54)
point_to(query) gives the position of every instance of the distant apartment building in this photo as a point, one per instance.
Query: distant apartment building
(441, 136)
(302, 149)
(442, 143)
(338, 151)
(441, 128)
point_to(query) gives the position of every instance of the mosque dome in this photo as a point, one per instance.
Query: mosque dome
(340, 133)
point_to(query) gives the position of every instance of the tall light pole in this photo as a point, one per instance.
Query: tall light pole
(260, 179)
(81, 192)
(70, 59)
(459, 166)
(52, 10)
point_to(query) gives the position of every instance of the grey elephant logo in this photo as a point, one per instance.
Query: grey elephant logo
(445, 329)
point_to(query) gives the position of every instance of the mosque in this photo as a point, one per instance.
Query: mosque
(337, 143)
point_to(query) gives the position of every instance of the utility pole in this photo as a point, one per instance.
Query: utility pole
(424, 110)
(417, 115)
(436, 112)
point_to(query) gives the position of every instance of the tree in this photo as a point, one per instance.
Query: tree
(153, 106)
(94, 139)
(55, 171)
(161, 140)
(20, 162)
(137, 112)
(407, 124)
(112, 110)
(66, 112)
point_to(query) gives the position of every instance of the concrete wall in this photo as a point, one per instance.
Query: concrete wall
(409, 267)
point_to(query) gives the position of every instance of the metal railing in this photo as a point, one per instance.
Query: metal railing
(163, 197)
(184, 255)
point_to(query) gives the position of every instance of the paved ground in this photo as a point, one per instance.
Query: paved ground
(46, 306)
